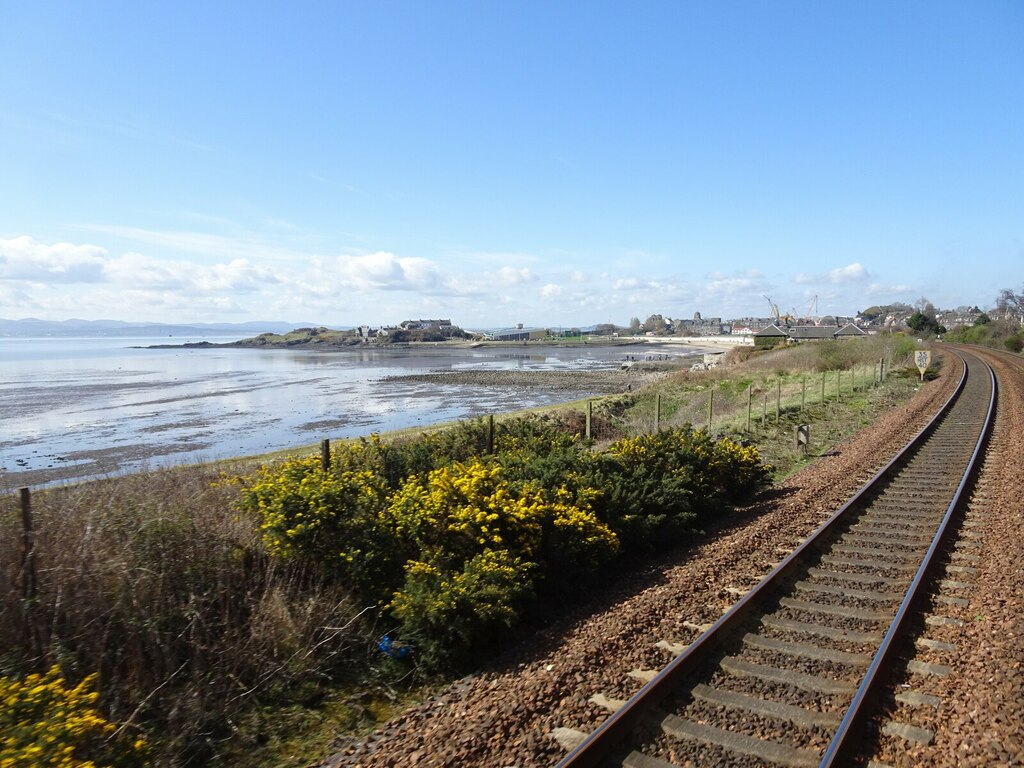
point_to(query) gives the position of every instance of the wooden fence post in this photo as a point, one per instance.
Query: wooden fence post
(750, 394)
(325, 455)
(590, 415)
(778, 399)
(803, 394)
(28, 548)
(490, 433)
(711, 406)
(32, 638)
(657, 412)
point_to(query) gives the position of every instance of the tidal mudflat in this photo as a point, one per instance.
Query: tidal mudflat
(80, 408)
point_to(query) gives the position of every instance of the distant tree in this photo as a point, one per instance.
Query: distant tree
(916, 321)
(925, 307)
(982, 319)
(634, 325)
(1011, 304)
(604, 329)
(923, 323)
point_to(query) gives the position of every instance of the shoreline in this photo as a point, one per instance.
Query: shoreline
(697, 342)
(89, 463)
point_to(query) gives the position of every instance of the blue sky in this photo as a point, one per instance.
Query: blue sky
(551, 163)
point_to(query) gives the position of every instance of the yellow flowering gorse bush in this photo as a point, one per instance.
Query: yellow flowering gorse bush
(484, 544)
(45, 722)
(333, 517)
(455, 549)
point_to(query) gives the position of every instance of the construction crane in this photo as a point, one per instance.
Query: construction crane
(812, 308)
(774, 308)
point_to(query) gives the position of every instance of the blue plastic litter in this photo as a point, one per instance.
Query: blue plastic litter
(393, 649)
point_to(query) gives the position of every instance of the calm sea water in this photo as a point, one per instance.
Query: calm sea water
(73, 408)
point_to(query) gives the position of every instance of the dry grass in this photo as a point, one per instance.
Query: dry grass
(154, 581)
(833, 386)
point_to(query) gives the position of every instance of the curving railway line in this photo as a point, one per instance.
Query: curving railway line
(791, 673)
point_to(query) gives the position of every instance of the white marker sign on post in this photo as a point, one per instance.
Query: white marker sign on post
(922, 358)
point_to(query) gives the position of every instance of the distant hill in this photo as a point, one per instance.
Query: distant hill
(118, 328)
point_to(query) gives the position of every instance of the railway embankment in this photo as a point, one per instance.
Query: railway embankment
(513, 714)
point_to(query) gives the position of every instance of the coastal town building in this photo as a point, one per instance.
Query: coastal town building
(700, 326)
(777, 334)
(420, 325)
(519, 333)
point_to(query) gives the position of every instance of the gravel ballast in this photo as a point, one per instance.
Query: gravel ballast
(975, 631)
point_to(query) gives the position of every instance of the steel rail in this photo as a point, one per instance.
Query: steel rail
(599, 744)
(842, 747)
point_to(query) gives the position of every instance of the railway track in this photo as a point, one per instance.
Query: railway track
(789, 674)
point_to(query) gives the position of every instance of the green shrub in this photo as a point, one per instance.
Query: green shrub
(447, 613)
(656, 487)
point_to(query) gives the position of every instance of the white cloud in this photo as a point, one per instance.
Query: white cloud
(22, 258)
(513, 276)
(138, 270)
(386, 271)
(728, 286)
(237, 275)
(876, 289)
(851, 273)
(64, 279)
